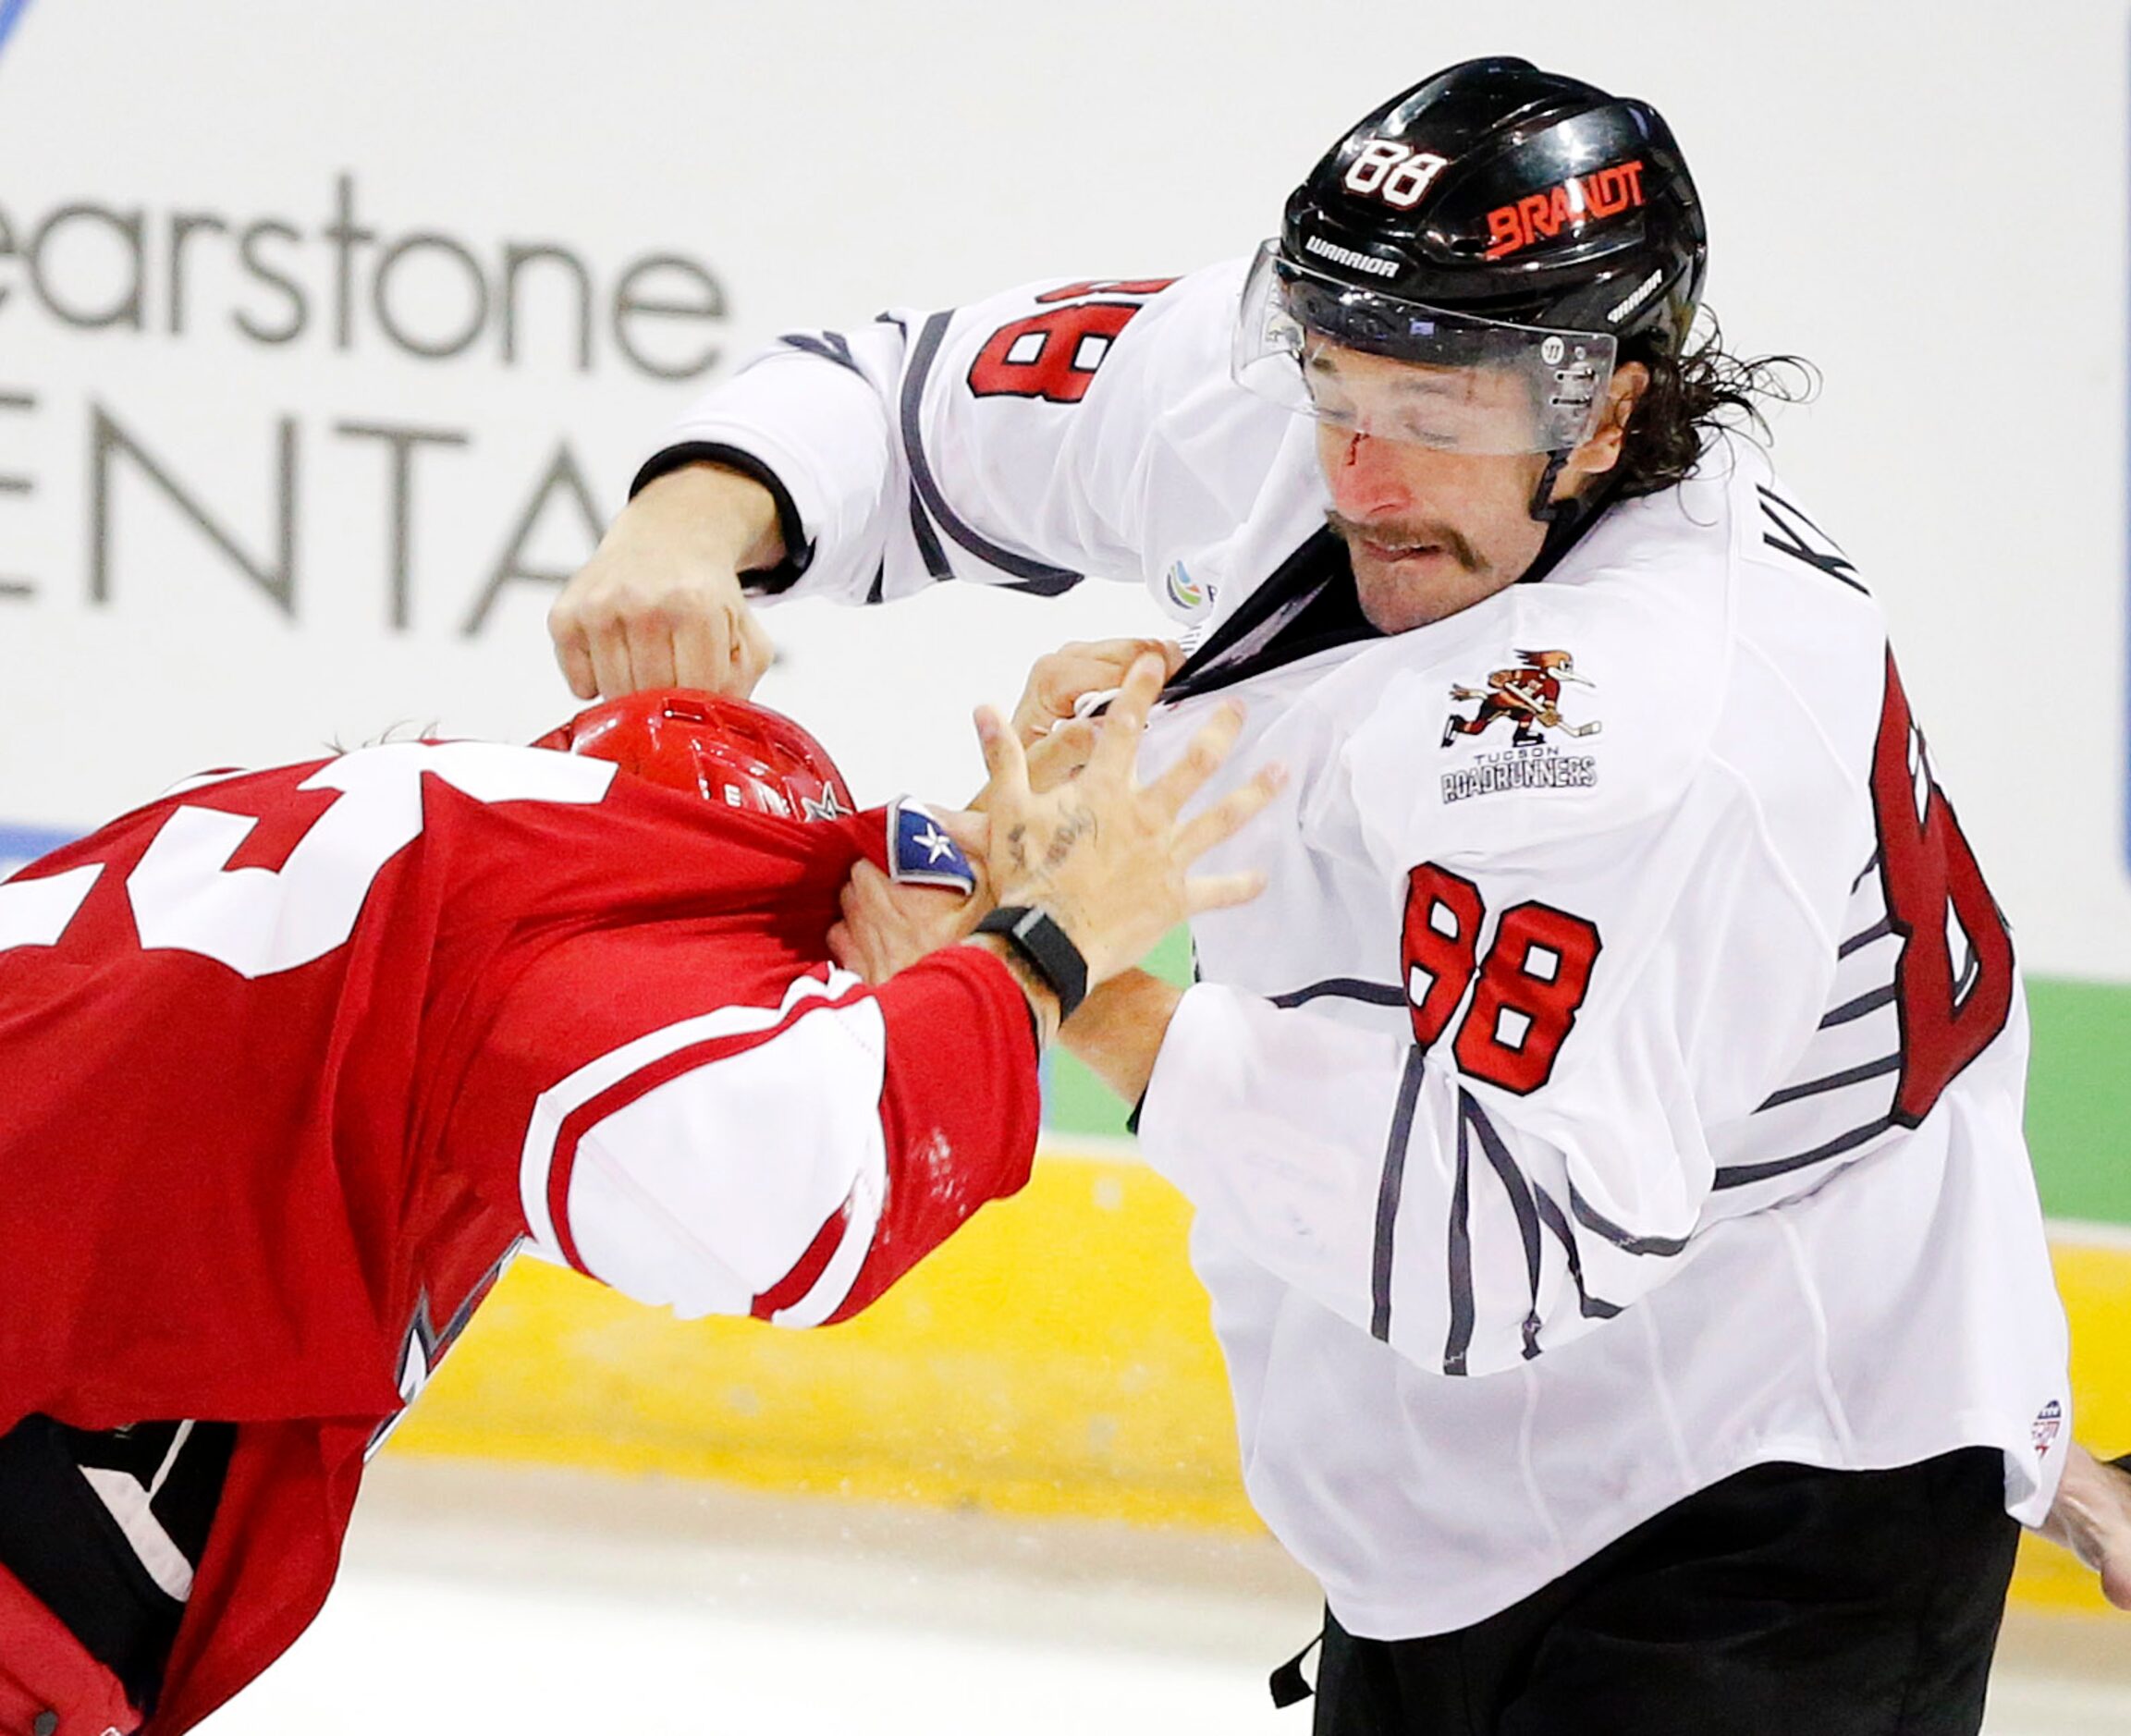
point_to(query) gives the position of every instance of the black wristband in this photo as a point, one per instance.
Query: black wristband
(1047, 949)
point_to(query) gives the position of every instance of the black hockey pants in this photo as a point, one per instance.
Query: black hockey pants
(1785, 1601)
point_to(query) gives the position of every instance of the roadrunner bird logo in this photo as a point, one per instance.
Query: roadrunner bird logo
(1529, 696)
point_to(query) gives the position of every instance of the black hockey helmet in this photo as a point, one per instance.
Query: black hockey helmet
(1492, 214)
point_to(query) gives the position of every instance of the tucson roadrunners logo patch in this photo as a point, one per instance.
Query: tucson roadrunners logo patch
(1527, 698)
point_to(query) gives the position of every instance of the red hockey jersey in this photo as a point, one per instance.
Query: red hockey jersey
(293, 1060)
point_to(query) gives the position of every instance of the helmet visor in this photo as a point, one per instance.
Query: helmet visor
(1378, 364)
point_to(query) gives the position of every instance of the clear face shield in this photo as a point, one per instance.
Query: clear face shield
(1375, 364)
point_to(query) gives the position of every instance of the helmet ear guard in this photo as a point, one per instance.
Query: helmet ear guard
(728, 752)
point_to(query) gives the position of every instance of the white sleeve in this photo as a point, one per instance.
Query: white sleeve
(614, 1179)
(787, 1162)
(1543, 1158)
(1029, 440)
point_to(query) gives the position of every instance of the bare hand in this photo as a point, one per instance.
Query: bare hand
(1058, 679)
(2092, 1519)
(1058, 757)
(1106, 857)
(659, 604)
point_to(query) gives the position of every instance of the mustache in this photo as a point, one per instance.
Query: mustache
(1407, 533)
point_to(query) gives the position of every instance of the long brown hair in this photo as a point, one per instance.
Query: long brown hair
(1691, 396)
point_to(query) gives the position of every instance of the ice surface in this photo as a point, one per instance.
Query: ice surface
(674, 1611)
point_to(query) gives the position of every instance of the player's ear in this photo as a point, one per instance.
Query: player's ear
(1623, 392)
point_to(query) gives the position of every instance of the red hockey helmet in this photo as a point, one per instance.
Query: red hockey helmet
(728, 751)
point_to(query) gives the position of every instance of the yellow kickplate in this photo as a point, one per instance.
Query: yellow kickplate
(1055, 1357)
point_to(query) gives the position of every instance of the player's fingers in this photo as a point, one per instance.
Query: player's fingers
(1112, 657)
(1003, 760)
(867, 888)
(753, 649)
(651, 650)
(1231, 814)
(971, 831)
(1064, 678)
(846, 897)
(869, 907)
(840, 950)
(567, 627)
(1118, 743)
(612, 671)
(1220, 892)
(575, 659)
(1058, 757)
(702, 656)
(1202, 757)
(1104, 664)
(1055, 681)
(1043, 695)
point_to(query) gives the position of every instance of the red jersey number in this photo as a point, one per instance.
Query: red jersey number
(1442, 946)
(258, 921)
(1054, 355)
(1529, 987)
(1934, 890)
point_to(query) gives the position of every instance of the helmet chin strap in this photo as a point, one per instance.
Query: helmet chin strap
(1544, 506)
(1566, 520)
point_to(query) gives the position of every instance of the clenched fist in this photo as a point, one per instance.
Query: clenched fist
(659, 604)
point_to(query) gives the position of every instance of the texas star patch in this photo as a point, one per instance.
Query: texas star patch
(921, 853)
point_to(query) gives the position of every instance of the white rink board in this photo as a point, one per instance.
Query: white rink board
(1929, 203)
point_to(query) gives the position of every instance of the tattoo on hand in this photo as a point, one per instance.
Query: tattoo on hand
(1077, 825)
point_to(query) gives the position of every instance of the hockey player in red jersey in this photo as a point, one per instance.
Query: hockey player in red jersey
(296, 1059)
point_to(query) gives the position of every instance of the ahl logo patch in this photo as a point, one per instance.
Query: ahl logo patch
(1185, 592)
(2048, 1424)
(1528, 698)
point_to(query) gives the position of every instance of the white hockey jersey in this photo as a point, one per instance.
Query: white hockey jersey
(1619, 1083)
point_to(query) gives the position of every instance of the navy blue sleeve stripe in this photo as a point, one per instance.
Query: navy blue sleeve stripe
(1834, 1082)
(927, 487)
(1740, 1174)
(1388, 1191)
(1343, 988)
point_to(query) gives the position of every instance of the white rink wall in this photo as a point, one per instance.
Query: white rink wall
(1928, 203)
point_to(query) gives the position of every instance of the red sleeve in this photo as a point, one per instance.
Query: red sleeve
(979, 1096)
(706, 1126)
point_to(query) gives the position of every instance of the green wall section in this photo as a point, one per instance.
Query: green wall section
(2079, 1098)
(2078, 1092)
(1074, 1100)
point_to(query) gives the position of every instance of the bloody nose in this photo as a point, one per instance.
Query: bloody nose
(1364, 480)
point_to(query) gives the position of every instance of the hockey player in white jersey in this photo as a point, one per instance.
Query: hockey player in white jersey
(1605, 1134)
